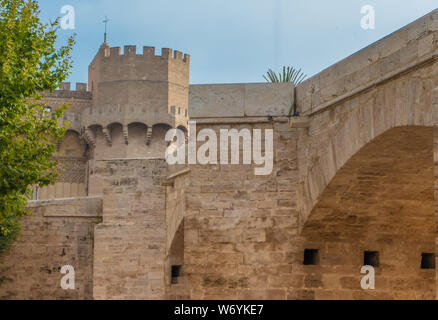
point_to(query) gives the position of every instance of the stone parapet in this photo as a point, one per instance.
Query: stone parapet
(392, 56)
(58, 233)
(240, 100)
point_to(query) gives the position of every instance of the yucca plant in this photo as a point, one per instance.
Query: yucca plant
(289, 74)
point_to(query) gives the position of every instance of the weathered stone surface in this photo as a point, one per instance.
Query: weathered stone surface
(130, 243)
(240, 100)
(58, 233)
(380, 200)
(353, 173)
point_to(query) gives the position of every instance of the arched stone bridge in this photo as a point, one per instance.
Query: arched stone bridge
(366, 165)
(392, 83)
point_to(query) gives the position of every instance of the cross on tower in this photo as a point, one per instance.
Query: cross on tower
(105, 22)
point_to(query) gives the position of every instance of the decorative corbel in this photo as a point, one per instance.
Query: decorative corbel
(125, 134)
(107, 134)
(148, 135)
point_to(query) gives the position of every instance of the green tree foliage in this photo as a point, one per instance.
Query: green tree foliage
(289, 74)
(30, 64)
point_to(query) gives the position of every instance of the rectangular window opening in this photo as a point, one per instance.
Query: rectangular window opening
(311, 257)
(427, 261)
(176, 273)
(371, 258)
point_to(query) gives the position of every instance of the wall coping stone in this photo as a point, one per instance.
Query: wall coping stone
(240, 100)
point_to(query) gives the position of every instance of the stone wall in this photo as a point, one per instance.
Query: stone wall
(175, 213)
(175, 202)
(237, 224)
(242, 236)
(251, 100)
(130, 243)
(58, 233)
(435, 152)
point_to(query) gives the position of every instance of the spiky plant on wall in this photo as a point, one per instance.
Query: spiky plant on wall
(289, 74)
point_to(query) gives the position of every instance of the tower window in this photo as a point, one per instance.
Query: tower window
(427, 261)
(371, 258)
(176, 273)
(311, 257)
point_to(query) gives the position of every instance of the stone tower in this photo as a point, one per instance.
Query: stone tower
(136, 99)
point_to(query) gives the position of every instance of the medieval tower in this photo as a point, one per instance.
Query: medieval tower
(136, 99)
(133, 100)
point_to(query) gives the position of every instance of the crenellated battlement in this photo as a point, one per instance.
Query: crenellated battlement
(147, 82)
(134, 95)
(65, 92)
(148, 52)
(66, 86)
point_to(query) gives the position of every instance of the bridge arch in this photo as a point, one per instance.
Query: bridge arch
(337, 132)
(381, 201)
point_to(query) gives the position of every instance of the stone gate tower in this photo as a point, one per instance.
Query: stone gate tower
(136, 98)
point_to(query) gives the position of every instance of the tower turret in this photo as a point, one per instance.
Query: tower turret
(136, 99)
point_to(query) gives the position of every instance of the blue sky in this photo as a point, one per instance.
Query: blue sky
(232, 41)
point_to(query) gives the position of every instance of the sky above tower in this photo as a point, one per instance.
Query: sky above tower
(233, 41)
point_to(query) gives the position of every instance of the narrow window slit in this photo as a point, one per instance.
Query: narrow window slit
(176, 273)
